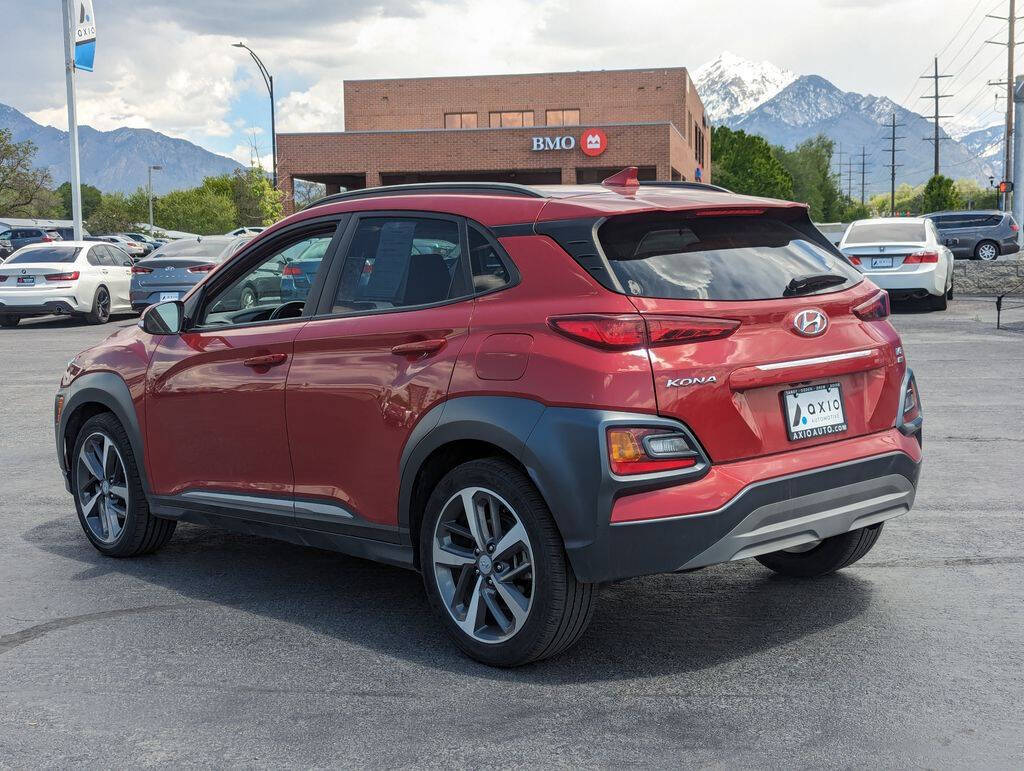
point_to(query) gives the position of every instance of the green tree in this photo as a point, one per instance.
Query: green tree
(199, 210)
(91, 198)
(255, 198)
(117, 213)
(745, 163)
(24, 190)
(940, 194)
(810, 166)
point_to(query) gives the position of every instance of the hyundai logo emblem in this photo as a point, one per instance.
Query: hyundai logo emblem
(810, 323)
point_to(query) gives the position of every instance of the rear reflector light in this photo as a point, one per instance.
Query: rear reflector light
(72, 276)
(627, 331)
(139, 269)
(291, 270)
(648, 450)
(874, 309)
(201, 268)
(920, 257)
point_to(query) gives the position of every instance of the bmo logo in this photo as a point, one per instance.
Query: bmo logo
(592, 142)
(554, 143)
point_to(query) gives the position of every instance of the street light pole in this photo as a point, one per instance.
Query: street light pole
(150, 171)
(268, 79)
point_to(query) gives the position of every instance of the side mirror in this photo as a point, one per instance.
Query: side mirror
(163, 318)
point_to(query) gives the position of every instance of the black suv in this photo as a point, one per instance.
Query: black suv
(977, 235)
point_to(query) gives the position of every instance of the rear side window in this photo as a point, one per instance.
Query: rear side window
(398, 262)
(45, 254)
(489, 272)
(872, 232)
(716, 258)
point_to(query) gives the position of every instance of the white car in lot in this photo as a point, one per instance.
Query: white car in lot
(904, 256)
(78, 278)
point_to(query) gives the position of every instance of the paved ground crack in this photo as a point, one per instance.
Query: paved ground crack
(14, 639)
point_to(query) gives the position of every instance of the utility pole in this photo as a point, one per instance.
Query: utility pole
(937, 97)
(849, 177)
(1010, 20)
(863, 168)
(69, 66)
(1018, 149)
(150, 171)
(892, 165)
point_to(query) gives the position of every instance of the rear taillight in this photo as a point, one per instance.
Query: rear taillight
(201, 268)
(910, 416)
(291, 270)
(45, 239)
(627, 331)
(649, 450)
(875, 309)
(1013, 227)
(139, 269)
(920, 257)
(854, 260)
(72, 276)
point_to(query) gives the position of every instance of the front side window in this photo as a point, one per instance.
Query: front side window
(275, 288)
(400, 262)
(720, 258)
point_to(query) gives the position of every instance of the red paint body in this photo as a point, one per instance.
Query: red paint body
(329, 418)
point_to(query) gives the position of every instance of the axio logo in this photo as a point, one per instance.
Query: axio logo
(682, 382)
(593, 142)
(810, 322)
(553, 143)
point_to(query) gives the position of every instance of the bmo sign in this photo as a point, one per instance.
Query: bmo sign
(592, 142)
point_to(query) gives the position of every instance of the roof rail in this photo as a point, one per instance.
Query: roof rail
(429, 188)
(684, 185)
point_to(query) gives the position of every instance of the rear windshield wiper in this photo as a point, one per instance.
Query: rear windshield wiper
(812, 283)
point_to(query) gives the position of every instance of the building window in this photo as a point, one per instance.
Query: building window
(562, 117)
(459, 120)
(698, 144)
(511, 119)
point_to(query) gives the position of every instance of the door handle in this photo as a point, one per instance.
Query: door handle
(269, 360)
(419, 347)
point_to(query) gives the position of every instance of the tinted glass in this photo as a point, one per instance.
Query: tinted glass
(489, 272)
(872, 232)
(715, 258)
(207, 248)
(45, 254)
(120, 257)
(401, 262)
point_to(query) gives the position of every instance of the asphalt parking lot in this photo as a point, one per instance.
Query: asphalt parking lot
(232, 650)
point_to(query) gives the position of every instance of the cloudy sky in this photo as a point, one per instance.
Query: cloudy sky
(169, 66)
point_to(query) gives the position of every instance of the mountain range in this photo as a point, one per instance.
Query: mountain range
(116, 161)
(786, 109)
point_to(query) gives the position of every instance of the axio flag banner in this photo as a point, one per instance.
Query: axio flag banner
(85, 35)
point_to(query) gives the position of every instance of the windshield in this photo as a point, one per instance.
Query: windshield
(719, 258)
(44, 254)
(873, 232)
(206, 248)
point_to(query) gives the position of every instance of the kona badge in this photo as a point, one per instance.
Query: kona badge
(682, 382)
(810, 323)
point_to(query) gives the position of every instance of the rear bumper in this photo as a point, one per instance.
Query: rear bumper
(765, 517)
(927, 278)
(55, 307)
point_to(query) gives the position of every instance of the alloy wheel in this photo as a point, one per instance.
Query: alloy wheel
(987, 252)
(102, 487)
(103, 304)
(483, 565)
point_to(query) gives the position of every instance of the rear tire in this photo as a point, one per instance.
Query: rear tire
(938, 302)
(558, 606)
(986, 250)
(9, 321)
(100, 313)
(117, 523)
(949, 292)
(830, 555)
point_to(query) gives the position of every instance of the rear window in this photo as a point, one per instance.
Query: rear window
(44, 254)
(716, 258)
(872, 232)
(191, 248)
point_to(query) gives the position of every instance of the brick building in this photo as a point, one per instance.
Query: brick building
(550, 128)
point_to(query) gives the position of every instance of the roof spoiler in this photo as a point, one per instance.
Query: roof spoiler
(625, 178)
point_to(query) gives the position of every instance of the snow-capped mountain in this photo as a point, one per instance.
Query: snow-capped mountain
(787, 109)
(731, 85)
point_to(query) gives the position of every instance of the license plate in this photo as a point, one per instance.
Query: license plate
(26, 279)
(881, 262)
(814, 411)
(165, 296)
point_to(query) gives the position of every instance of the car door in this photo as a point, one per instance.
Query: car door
(393, 317)
(955, 232)
(120, 276)
(215, 398)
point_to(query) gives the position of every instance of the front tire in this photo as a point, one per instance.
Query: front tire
(826, 557)
(100, 313)
(495, 568)
(986, 250)
(9, 321)
(109, 498)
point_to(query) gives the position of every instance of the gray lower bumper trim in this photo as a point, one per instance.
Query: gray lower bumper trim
(809, 518)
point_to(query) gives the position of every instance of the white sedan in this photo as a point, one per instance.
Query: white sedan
(904, 256)
(78, 278)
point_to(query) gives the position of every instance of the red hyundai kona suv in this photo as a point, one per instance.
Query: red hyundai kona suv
(521, 392)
